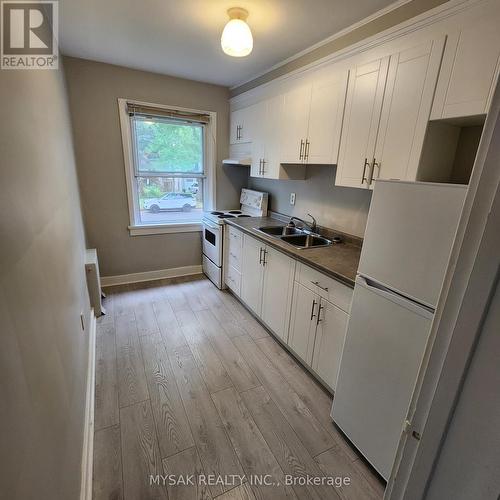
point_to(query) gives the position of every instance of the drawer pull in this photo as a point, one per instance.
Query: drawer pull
(325, 288)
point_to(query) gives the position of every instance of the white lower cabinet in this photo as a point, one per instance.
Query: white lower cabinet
(276, 291)
(317, 332)
(303, 322)
(252, 273)
(266, 284)
(304, 308)
(330, 335)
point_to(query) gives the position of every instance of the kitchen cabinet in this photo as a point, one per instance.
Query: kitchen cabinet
(387, 109)
(266, 139)
(330, 334)
(307, 310)
(409, 91)
(296, 107)
(363, 107)
(241, 125)
(469, 70)
(276, 291)
(252, 273)
(325, 119)
(303, 322)
(233, 255)
(317, 332)
(266, 284)
(312, 120)
(318, 321)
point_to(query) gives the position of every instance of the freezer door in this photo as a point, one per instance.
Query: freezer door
(385, 340)
(409, 235)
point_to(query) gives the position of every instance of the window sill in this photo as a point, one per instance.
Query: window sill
(144, 230)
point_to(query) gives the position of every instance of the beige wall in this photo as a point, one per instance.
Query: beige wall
(345, 209)
(44, 353)
(403, 13)
(93, 91)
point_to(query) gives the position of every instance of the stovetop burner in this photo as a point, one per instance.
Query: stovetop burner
(234, 212)
(226, 216)
(244, 215)
(217, 213)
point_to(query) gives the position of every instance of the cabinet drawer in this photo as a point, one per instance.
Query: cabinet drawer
(233, 280)
(235, 244)
(328, 288)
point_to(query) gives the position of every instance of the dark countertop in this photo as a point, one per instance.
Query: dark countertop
(339, 261)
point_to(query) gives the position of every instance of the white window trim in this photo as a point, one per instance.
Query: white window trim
(208, 183)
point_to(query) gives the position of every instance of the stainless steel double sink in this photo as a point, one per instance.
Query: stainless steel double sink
(298, 238)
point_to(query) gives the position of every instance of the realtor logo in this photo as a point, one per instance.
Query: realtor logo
(29, 35)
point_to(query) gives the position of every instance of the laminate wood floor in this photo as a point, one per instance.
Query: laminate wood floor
(191, 389)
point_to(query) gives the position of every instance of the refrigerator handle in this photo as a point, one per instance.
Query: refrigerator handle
(409, 304)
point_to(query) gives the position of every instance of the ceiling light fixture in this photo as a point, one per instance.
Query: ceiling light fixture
(236, 39)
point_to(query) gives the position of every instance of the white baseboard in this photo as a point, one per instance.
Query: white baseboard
(88, 431)
(124, 279)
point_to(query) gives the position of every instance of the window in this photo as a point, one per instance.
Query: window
(169, 161)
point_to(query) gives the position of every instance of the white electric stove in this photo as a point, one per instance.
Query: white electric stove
(253, 204)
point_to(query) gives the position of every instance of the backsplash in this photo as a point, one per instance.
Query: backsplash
(344, 209)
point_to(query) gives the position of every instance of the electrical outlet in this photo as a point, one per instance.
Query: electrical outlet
(292, 198)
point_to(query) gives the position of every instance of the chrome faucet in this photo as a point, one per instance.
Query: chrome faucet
(311, 225)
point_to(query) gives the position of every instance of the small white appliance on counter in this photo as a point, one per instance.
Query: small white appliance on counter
(253, 204)
(410, 231)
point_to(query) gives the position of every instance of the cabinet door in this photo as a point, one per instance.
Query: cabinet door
(259, 119)
(325, 119)
(365, 93)
(409, 91)
(305, 305)
(272, 138)
(277, 291)
(235, 121)
(252, 273)
(294, 122)
(330, 335)
(469, 70)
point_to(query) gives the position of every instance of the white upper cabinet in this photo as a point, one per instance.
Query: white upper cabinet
(363, 107)
(388, 106)
(469, 70)
(241, 124)
(266, 141)
(409, 91)
(325, 119)
(312, 120)
(294, 122)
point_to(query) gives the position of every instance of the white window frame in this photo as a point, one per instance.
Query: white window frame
(136, 229)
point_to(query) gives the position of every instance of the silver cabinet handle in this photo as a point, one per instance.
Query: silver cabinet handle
(301, 147)
(372, 170)
(318, 318)
(260, 255)
(312, 309)
(325, 288)
(264, 261)
(363, 179)
(306, 151)
(263, 164)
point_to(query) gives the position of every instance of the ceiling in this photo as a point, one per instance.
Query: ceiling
(182, 37)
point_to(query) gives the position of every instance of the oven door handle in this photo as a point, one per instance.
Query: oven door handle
(211, 226)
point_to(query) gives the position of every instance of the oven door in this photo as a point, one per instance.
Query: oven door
(212, 242)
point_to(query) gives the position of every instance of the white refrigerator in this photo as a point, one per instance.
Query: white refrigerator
(408, 240)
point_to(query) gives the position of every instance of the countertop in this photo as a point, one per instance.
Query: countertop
(339, 261)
